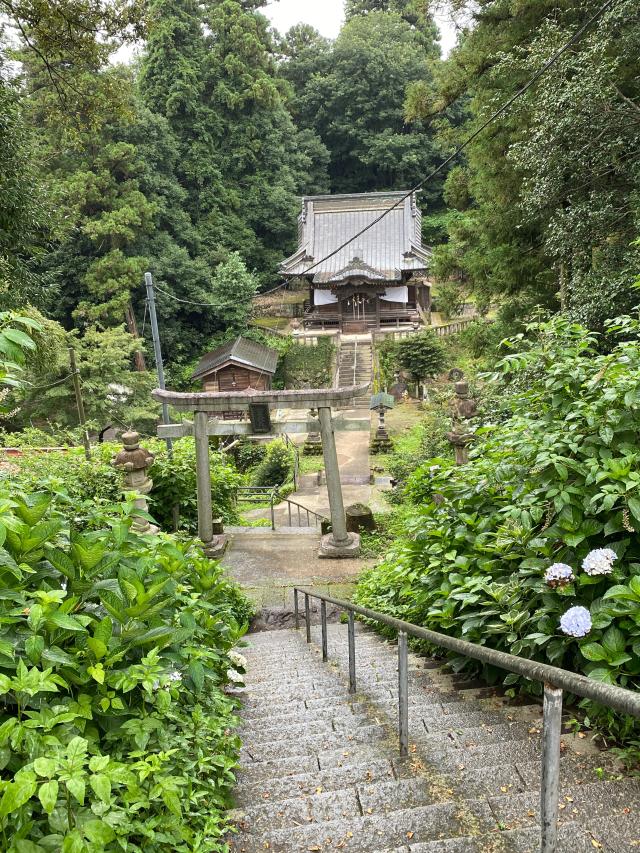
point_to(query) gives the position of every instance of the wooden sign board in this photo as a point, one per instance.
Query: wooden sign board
(260, 418)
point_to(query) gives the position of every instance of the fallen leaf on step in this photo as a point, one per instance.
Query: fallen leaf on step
(596, 844)
(319, 790)
(504, 788)
(410, 834)
(531, 813)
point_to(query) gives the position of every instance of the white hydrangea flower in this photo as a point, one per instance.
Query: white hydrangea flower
(235, 676)
(576, 622)
(599, 561)
(559, 574)
(236, 658)
(174, 675)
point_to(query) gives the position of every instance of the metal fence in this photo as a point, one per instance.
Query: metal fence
(555, 682)
(259, 494)
(303, 511)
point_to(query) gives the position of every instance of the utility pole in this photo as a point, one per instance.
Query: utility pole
(78, 391)
(151, 301)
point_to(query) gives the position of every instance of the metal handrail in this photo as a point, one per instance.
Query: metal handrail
(271, 492)
(554, 679)
(310, 513)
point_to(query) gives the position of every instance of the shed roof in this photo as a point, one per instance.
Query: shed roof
(383, 253)
(242, 351)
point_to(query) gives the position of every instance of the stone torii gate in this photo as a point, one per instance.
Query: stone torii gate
(207, 408)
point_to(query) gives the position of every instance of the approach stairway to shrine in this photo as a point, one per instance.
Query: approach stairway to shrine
(356, 367)
(321, 770)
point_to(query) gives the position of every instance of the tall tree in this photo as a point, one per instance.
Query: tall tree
(354, 99)
(22, 214)
(417, 13)
(210, 70)
(545, 198)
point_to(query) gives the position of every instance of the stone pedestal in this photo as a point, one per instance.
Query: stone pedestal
(332, 550)
(215, 549)
(134, 461)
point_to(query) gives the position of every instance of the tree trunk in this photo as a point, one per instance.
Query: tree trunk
(132, 326)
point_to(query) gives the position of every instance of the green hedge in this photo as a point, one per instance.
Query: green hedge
(551, 484)
(116, 732)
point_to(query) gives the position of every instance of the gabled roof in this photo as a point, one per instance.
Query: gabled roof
(383, 253)
(241, 351)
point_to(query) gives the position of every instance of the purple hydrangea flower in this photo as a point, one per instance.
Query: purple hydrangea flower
(576, 622)
(599, 561)
(559, 574)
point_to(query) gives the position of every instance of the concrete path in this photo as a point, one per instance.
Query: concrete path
(269, 565)
(320, 770)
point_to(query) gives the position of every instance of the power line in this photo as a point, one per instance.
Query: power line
(500, 111)
(184, 301)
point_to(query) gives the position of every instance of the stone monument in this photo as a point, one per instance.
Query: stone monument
(135, 461)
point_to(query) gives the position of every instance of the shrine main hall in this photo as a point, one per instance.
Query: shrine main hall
(378, 279)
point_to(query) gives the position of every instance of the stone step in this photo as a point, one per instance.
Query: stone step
(440, 821)
(321, 770)
(309, 745)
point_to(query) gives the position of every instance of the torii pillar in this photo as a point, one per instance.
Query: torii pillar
(337, 544)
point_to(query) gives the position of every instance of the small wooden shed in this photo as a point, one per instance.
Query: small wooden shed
(237, 366)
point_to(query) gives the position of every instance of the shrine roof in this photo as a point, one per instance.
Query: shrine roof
(242, 351)
(389, 248)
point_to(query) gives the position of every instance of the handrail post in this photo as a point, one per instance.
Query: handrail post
(296, 608)
(273, 513)
(307, 616)
(323, 620)
(551, 731)
(289, 507)
(403, 693)
(352, 653)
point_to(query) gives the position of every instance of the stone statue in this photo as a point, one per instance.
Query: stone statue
(135, 461)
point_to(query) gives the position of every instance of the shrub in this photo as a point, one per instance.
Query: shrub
(174, 482)
(115, 731)
(556, 481)
(422, 355)
(248, 454)
(276, 467)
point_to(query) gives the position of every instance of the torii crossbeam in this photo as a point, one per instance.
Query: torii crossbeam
(206, 405)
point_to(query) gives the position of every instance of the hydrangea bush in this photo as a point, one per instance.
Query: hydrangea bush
(543, 519)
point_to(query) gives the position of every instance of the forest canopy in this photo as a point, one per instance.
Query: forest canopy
(177, 137)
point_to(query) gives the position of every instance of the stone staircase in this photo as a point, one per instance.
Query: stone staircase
(356, 367)
(321, 770)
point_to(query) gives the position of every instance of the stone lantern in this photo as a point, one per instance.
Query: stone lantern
(464, 408)
(135, 461)
(381, 403)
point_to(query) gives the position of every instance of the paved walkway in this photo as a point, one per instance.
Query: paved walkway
(320, 769)
(269, 565)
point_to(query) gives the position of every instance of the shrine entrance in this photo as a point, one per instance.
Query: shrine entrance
(208, 409)
(359, 313)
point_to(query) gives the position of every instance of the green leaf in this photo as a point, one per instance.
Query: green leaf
(17, 793)
(101, 785)
(34, 646)
(45, 767)
(634, 508)
(196, 673)
(98, 832)
(97, 763)
(602, 674)
(613, 641)
(25, 846)
(68, 623)
(76, 786)
(593, 652)
(97, 673)
(48, 795)
(97, 647)
(634, 585)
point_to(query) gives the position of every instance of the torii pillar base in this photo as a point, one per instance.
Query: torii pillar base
(331, 550)
(215, 549)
